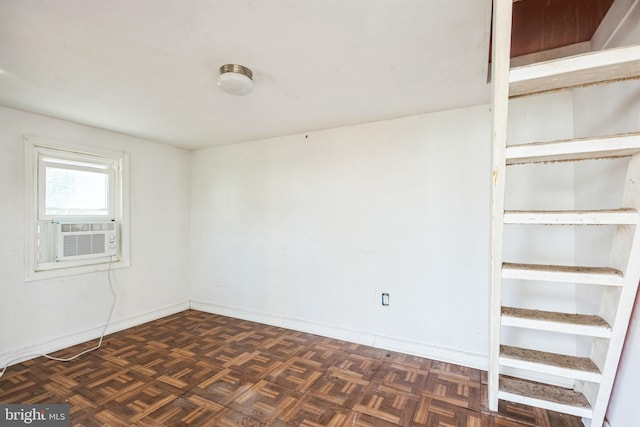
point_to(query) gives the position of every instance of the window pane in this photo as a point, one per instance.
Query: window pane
(75, 192)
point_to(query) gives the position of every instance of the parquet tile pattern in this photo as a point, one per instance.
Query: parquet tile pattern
(200, 369)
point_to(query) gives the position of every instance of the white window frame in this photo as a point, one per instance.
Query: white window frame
(116, 164)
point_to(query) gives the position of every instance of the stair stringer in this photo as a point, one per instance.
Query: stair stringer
(502, 14)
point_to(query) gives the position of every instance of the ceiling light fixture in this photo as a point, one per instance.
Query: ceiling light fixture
(235, 79)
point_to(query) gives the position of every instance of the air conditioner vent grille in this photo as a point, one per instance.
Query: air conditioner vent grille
(87, 240)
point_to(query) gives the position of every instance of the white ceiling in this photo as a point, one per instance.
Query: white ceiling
(148, 67)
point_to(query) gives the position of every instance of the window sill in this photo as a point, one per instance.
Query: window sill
(54, 273)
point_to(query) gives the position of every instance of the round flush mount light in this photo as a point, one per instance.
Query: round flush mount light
(235, 79)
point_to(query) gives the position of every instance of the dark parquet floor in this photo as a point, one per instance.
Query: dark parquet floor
(200, 369)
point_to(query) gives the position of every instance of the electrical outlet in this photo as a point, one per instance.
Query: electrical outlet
(385, 299)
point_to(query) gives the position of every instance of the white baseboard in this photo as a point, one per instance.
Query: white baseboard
(36, 350)
(384, 342)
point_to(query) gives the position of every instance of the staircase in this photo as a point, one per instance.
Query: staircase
(591, 377)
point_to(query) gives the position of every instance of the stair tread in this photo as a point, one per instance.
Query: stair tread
(589, 68)
(563, 269)
(543, 392)
(560, 273)
(554, 316)
(569, 217)
(546, 358)
(619, 145)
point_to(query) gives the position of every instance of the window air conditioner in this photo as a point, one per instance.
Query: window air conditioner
(86, 240)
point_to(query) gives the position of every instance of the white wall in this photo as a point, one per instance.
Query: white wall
(45, 315)
(308, 230)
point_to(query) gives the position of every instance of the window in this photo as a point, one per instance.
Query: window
(78, 209)
(70, 188)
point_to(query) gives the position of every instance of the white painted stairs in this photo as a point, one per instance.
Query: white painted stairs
(592, 377)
